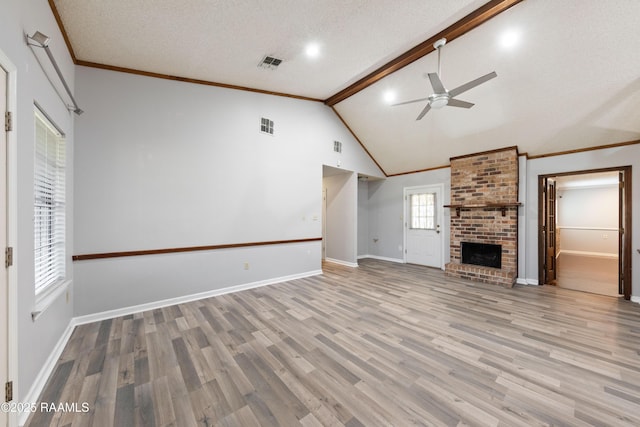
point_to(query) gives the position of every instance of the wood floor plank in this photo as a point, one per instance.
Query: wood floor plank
(382, 344)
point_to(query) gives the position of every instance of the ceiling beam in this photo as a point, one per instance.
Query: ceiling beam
(461, 27)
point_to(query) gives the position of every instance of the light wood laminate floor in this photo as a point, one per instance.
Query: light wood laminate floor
(380, 345)
(594, 274)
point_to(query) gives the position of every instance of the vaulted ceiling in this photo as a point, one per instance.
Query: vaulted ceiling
(568, 71)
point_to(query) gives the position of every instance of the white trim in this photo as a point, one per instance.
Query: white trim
(383, 258)
(527, 282)
(47, 297)
(589, 254)
(110, 314)
(47, 369)
(635, 299)
(346, 263)
(12, 227)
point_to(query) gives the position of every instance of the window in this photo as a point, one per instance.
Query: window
(49, 204)
(423, 211)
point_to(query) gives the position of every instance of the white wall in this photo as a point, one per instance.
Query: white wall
(588, 219)
(341, 221)
(36, 339)
(164, 164)
(589, 160)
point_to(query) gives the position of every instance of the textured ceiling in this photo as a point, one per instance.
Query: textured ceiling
(223, 41)
(571, 81)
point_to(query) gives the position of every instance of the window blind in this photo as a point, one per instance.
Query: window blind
(49, 204)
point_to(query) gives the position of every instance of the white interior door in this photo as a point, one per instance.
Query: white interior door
(423, 216)
(4, 288)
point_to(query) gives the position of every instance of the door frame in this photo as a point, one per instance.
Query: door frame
(439, 219)
(624, 271)
(11, 227)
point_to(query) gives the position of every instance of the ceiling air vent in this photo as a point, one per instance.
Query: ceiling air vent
(270, 63)
(337, 146)
(266, 126)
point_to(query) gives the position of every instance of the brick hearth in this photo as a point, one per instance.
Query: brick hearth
(484, 187)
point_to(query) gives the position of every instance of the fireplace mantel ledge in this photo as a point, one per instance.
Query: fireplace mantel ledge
(501, 205)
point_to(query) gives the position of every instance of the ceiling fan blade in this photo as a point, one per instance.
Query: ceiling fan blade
(459, 103)
(409, 102)
(473, 83)
(436, 83)
(423, 112)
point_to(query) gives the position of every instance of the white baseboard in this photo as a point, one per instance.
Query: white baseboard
(50, 364)
(125, 311)
(46, 371)
(525, 281)
(635, 299)
(346, 263)
(382, 258)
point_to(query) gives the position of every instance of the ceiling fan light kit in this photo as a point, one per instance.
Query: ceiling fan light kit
(438, 100)
(441, 96)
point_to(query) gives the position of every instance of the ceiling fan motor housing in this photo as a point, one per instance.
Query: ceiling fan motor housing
(438, 100)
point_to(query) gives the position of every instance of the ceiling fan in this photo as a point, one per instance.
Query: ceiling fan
(441, 96)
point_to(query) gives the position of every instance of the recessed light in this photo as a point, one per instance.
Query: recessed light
(509, 39)
(312, 50)
(389, 96)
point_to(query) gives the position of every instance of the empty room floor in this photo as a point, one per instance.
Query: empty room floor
(383, 344)
(598, 275)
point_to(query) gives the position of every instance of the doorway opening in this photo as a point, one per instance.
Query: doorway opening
(585, 231)
(339, 216)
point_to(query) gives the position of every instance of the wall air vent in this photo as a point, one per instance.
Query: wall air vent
(270, 63)
(337, 146)
(266, 126)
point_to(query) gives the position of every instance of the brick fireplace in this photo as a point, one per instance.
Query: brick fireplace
(484, 213)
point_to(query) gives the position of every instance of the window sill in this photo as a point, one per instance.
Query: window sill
(47, 297)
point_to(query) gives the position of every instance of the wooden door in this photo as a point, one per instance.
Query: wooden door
(624, 232)
(549, 231)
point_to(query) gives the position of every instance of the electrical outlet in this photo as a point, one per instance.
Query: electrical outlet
(605, 236)
(246, 265)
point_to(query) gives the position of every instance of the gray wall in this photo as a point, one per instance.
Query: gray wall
(341, 221)
(164, 164)
(610, 157)
(385, 206)
(386, 212)
(36, 339)
(363, 218)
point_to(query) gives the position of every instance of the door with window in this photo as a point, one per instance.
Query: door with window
(423, 216)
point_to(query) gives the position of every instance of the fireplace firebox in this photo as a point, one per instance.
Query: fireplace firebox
(484, 254)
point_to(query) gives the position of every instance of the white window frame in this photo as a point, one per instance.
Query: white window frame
(49, 221)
